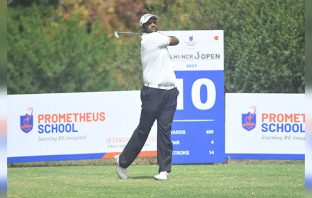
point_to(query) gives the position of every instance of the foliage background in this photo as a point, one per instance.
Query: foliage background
(68, 45)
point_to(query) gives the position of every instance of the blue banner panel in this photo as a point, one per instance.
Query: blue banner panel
(43, 158)
(198, 126)
(265, 156)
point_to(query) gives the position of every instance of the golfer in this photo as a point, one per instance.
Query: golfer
(159, 99)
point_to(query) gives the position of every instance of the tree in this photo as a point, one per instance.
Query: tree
(264, 43)
(46, 54)
(263, 39)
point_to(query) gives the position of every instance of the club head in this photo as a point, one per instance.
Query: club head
(116, 35)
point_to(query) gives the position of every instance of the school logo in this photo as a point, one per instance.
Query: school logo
(249, 120)
(26, 121)
(191, 38)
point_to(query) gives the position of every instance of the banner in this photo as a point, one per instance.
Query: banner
(198, 127)
(265, 126)
(43, 127)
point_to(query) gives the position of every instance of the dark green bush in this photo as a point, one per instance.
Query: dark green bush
(47, 54)
(263, 40)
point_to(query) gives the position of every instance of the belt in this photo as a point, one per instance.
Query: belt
(165, 87)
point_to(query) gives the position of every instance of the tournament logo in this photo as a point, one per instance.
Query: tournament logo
(26, 121)
(190, 42)
(249, 120)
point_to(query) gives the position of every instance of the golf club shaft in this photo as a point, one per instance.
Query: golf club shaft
(130, 33)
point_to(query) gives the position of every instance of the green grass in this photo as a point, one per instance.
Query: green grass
(235, 179)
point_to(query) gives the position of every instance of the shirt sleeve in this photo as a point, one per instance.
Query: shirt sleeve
(162, 40)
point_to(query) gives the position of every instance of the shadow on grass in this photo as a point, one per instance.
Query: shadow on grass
(142, 177)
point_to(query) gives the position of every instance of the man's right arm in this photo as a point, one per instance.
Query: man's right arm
(173, 41)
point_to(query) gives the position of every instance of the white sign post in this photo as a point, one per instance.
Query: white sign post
(198, 126)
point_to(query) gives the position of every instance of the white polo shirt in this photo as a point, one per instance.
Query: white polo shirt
(157, 68)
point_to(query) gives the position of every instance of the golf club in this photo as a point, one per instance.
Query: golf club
(116, 34)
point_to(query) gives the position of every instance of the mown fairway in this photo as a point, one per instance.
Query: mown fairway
(255, 179)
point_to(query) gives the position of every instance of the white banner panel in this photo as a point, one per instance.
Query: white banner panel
(198, 50)
(73, 123)
(265, 124)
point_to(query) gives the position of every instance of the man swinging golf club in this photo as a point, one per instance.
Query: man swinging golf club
(159, 99)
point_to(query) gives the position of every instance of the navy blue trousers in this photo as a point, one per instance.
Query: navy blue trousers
(160, 105)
